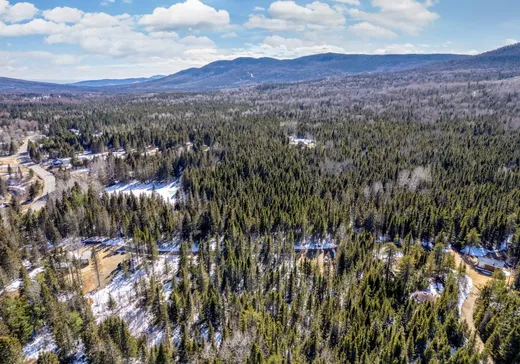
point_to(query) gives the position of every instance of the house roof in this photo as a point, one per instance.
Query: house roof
(491, 262)
(475, 251)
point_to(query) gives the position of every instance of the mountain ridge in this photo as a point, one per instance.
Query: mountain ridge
(244, 71)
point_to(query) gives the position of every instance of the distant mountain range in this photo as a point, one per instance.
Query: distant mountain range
(116, 82)
(251, 71)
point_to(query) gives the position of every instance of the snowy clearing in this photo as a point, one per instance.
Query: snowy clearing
(43, 342)
(122, 289)
(15, 285)
(167, 191)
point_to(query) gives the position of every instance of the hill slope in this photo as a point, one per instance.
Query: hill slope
(505, 58)
(251, 71)
(116, 82)
(8, 85)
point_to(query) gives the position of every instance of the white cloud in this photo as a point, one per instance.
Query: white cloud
(34, 27)
(260, 21)
(287, 16)
(166, 35)
(191, 14)
(258, 8)
(63, 15)
(288, 43)
(349, 2)
(17, 12)
(409, 16)
(409, 48)
(367, 30)
(229, 35)
(510, 41)
(3, 5)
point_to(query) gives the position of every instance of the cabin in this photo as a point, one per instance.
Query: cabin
(490, 265)
(60, 163)
(83, 258)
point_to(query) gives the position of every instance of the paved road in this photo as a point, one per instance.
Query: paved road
(49, 181)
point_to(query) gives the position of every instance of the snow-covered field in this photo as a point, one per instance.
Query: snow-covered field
(167, 191)
(122, 289)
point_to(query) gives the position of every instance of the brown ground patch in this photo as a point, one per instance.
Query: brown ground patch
(468, 307)
(109, 260)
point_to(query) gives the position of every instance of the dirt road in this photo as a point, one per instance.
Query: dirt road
(468, 307)
(49, 181)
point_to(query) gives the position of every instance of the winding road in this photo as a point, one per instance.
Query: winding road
(49, 181)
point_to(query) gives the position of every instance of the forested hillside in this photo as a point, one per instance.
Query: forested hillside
(312, 223)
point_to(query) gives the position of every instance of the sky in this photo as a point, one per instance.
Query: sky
(72, 40)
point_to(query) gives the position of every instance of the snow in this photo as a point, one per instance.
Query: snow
(122, 290)
(435, 288)
(465, 287)
(167, 191)
(114, 242)
(43, 342)
(309, 143)
(15, 285)
(475, 251)
(315, 246)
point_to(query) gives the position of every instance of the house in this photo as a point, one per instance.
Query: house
(489, 265)
(83, 258)
(61, 163)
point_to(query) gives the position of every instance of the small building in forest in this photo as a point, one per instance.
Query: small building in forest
(490, 265)
(83, 258)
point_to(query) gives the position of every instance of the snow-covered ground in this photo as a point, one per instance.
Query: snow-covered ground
(43, 342)
(435, 288)
(465, 287)
(15, 285)
(167, 191)
(309, 143)
(122, 289)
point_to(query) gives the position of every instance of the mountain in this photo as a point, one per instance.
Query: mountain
(256, 71)
(252, 71)
(505, 58)
(8, 85)
(115, 82)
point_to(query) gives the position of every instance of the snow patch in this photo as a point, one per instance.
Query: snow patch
(43, 343)
(465, 287)
(167, 191)
(122, 289)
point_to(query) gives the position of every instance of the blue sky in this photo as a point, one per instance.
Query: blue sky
(69, 40)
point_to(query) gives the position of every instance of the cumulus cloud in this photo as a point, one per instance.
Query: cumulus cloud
(229, 35)
(349, 2)
(287, 16)
(368, 30)
(63, 15)
(34, 27)
(191, 14)
(408, 16)
(17, 12)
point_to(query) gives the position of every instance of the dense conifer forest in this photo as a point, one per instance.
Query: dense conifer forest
(372, 187)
